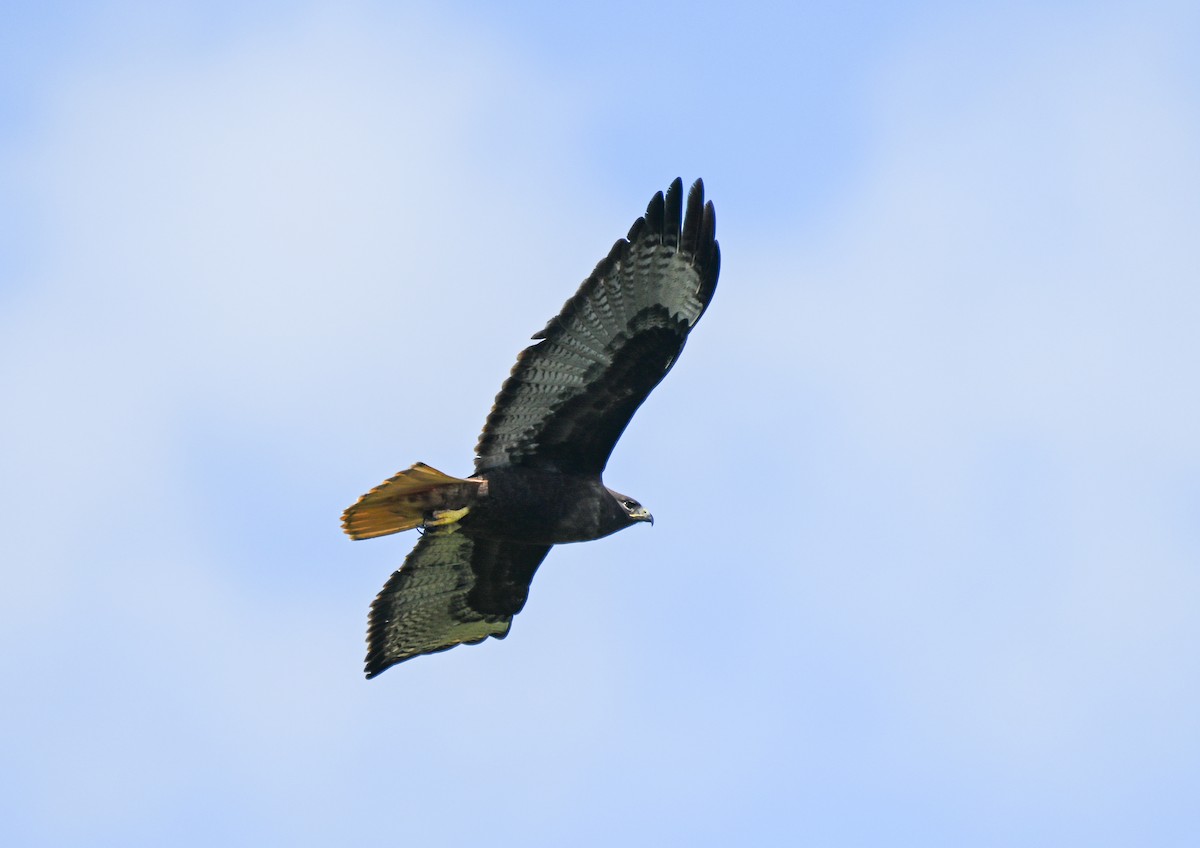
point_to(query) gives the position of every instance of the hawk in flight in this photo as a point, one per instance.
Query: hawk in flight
(539, 461)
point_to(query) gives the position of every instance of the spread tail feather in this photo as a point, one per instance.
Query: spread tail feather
(405, 501)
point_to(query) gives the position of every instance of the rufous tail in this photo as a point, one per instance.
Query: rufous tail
(406, 501)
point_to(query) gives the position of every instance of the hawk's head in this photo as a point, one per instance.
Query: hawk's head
(633, 510)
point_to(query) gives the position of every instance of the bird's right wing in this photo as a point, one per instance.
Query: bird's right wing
(452, 590)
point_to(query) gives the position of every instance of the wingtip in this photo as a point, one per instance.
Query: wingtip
(690, 227)
(380, 661)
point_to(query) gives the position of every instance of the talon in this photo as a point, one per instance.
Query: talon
(442, 517)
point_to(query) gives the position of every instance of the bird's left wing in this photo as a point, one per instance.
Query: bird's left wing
(452, 590)
(570, 396)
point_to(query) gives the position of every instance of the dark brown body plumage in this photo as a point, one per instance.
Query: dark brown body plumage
(544, 507)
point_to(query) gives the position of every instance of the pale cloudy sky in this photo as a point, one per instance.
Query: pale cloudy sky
(926, 566)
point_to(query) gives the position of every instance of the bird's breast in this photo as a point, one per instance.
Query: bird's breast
(543, 507)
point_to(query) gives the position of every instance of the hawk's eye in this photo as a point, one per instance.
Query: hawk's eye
(630, 504)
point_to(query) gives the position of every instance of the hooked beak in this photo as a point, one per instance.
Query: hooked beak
(642, 514)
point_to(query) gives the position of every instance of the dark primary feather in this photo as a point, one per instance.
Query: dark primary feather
(453, 589)
(570, 397)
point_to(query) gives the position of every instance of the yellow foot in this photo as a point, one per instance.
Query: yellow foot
(441, 517)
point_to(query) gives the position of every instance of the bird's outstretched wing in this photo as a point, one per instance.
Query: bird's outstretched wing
(570, 396)
(452, 590)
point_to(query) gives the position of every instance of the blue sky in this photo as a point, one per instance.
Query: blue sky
(926, 561)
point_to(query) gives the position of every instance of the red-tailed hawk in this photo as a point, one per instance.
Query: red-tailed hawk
(538, 464)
